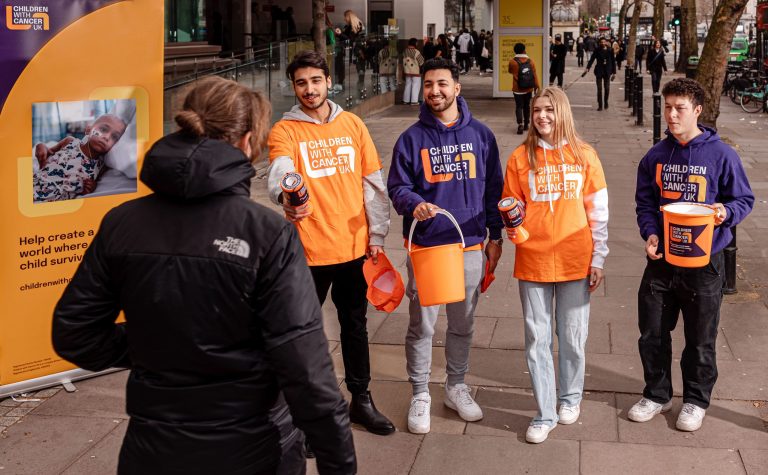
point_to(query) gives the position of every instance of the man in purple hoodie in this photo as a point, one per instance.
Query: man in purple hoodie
(446, 160)
(691, 165)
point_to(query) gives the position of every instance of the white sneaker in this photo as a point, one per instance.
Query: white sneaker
(645, 409)
(418, 414)
(460, 400)
(568, 414)
(538, 433)
(690, 417)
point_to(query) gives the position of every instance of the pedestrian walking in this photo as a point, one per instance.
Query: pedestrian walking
(345, 219)
(693, 155)
(387, 58)
(640, 53)
(656, 65)
(525, 81)
(580, 51)
(447, 160)
(444, 47)
(559, 180)
(605, 72)
(223, 334)
(557, 53)
(412, 61)
(464, 43)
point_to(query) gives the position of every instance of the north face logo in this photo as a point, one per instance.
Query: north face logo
(234, 246)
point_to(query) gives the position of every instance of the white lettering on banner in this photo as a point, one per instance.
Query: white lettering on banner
(320, 161)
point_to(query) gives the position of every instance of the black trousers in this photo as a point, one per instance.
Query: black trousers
(523, 108)
(655, 80)
(603, 89)
(464, 60)
(556, 76)
(665, 291)
(580, 57)
(348, 289)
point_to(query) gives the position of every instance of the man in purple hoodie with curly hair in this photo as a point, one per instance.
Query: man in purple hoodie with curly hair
(691, 165)
(446, 160)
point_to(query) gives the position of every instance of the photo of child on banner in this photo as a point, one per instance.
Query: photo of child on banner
(83, 149)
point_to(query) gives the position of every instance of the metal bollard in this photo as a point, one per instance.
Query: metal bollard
(627, 82)
(656, 117)
(633, 95)
(639, 100)
(630, 84)
(729, 256)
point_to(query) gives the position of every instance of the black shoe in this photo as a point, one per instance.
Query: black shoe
(606, 105)
(599, 108)
(362, 411)
(520, 129)
(525, 127)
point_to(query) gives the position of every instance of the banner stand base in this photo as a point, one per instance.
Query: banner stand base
(65, 379)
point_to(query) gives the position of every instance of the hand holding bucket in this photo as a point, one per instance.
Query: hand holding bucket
(513, 213)
(438, 270)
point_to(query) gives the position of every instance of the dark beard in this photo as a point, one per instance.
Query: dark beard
(445, 106)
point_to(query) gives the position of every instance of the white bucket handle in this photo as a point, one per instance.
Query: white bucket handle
(447, 215)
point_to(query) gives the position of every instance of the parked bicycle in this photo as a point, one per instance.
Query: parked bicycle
(753, 99)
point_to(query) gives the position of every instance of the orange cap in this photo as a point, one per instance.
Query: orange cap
(385, 285)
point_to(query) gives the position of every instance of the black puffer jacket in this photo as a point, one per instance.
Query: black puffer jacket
(223, 322)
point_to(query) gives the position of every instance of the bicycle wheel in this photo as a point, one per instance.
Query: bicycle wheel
(752, 101)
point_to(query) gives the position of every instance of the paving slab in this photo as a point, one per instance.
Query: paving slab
(442, 453)
(508, 413)
(642, 459)
(382, 455)
(727, 425)
(746, 380)
(395, 328)
(49, 444)
(103, 457)
(755, 461)
(103, 396)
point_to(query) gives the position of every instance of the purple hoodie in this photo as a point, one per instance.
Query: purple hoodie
(705, 170)
(456, 168)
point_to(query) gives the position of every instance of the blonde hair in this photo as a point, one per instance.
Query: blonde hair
(564, 127)
(222, 109)
(353, 21)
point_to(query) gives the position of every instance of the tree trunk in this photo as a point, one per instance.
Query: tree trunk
(689, 42)
(622, 19)
(658, 19)
(714, 57)
(318, 25)
(636, 10)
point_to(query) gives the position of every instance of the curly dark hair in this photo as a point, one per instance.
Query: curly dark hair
(441, 63)
(684, 87)
(307, 59)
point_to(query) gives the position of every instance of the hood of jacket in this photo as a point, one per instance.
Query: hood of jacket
(187, 167)
(296, 113)
(427, 118)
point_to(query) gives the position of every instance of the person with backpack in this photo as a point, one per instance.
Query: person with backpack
(524, 83)
(412, 61)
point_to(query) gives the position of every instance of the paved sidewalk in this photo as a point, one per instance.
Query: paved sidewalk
(81, 433)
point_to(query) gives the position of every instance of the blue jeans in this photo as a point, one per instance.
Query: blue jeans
(571, 312)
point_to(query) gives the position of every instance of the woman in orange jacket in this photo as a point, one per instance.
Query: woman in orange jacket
(560, 182)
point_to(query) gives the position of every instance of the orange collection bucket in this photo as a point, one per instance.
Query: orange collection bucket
(688, 229)
(438, 270)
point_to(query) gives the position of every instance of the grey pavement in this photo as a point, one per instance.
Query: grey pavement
(80, 433)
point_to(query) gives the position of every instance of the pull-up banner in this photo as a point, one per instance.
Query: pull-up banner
(81, 91)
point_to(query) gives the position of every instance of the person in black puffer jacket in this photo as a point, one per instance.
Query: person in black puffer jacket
(223, 331)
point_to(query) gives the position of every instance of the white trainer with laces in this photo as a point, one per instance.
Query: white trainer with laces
(538, 432)
(690, 418)
(459, 398)
(418, 414)
(568, 414)
(645, 409)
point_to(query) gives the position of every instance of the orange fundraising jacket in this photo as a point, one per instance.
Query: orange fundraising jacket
(566, 213)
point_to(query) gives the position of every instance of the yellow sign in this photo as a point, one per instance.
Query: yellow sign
(533, 45)
(517, 14)
(81, 99)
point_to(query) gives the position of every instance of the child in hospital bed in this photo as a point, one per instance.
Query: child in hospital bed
(71, 167)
